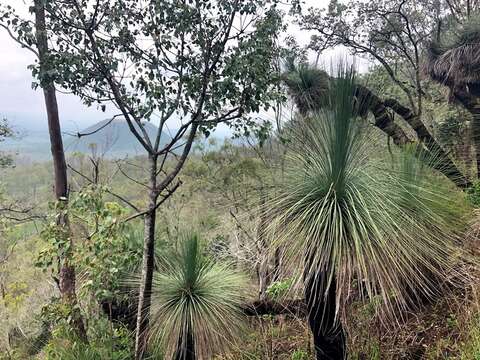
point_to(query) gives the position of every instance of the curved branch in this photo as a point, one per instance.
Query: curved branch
(16, 39)
(446, 166)
(79, 134)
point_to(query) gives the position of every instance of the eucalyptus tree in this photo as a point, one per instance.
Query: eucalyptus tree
(393, 35)
(33, 35)
(361, 226)
(193, 64)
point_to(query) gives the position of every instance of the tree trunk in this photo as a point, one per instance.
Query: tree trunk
(327, 330)
(446, 166)
(186, 348)
(148, 263)
(476, 138)
(295, 307)
(471, 101)
(368, 101)
(66, 271)
(264, 271)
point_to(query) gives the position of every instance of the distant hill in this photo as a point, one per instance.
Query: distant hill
(113, 140)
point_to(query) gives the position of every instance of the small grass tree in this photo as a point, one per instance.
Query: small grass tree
(353, 217)
(196, 304)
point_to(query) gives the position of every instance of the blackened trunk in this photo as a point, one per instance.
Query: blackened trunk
(66, 271)
(148, 264)
(471, 101)
(368, 101)
(327, 330)
(472, 104)
(186, 348)
(476, 139)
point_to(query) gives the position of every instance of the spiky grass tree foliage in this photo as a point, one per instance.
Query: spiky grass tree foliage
(454, 58)
(196, 304)
(308, 86)
(357, 221)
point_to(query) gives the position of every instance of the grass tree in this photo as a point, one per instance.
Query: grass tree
(196, 304)
(391, 34)
(308, 86)
(355, 220)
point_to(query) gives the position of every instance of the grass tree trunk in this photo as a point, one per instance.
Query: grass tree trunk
(476, 138)
(471, 102)
(367, 100)
(186, 348)
(384, 121)
(444, 163)
(327, 330)
(473, 106)
(67, 271)
(148, 264)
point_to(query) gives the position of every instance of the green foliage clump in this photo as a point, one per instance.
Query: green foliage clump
(109, 249)
(280, 288)
(106, 342)
(14, 294)
(473, 194)
(470, 349)
(299, 355)
(5, 132)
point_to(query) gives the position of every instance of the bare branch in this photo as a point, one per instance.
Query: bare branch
(79, 134)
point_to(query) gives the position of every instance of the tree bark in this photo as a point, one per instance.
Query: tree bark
(368, 101)
(186, 348)
(327, 330)
(148, 262)
(476, 138)
(471, 102)
(383, 119)
(443, 162)
(124, 312)
(296, 307)
(66, 271)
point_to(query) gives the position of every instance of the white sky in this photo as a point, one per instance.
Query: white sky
(24, 107)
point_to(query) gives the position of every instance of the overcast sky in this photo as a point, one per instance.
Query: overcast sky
(24, 107)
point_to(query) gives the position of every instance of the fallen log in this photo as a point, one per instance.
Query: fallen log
(295, 307)
(124, 312)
